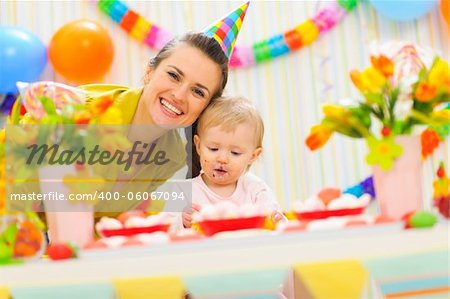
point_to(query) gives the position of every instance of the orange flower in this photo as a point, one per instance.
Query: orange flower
(425, 92)
(430, 141)
(82, 118)
(318, 136)
(383, 64)
(101, 105)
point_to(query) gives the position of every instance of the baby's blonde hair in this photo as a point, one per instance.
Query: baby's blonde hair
(229, 112)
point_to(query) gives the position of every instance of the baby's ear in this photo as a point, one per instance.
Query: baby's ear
(256, 153)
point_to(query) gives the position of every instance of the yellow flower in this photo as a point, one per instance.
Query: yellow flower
(27, 119)
(99, 106)
(335, 111)
(82, 117)
(440, 75)
(443, 114)
(383, 152)
(371, 80)
(441, 187)
(2, 136)
(356, 78)
(112, 116)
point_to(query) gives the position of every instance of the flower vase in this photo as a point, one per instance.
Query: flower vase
(67, 220)
(399, 190)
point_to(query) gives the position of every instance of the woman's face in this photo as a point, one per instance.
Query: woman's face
(180, 87)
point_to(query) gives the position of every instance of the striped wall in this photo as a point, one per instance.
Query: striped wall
(288, 91)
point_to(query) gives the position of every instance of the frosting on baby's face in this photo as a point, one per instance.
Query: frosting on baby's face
(226, 154)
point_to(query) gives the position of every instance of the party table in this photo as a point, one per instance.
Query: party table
(231, 254)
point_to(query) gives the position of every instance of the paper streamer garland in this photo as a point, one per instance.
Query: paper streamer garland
(243, 56)
(136, 25)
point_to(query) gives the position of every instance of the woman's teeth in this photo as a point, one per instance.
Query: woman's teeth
(171, 107)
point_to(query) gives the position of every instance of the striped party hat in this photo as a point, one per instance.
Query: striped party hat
(226, 30)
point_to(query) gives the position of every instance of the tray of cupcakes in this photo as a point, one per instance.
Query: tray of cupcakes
(330, 202)
(132, 223)
(227, 216)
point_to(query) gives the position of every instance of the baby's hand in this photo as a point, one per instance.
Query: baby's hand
(187, 216)
(278, 217)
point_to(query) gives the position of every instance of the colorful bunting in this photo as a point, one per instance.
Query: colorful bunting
(243, 56)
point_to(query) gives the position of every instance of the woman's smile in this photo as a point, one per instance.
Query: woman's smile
(169, 108)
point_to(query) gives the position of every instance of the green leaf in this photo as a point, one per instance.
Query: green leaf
(400, 127)
(48, 104)
(363, 114)
(6, 253)
(34, 218)
(374, 98)
(9, 234)
(341, 127)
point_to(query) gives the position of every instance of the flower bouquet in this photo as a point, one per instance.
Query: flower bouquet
(49, 134)
(403, 88)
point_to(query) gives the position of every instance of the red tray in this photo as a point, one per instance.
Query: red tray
(211, 227)
(328, 213)
(134, 230)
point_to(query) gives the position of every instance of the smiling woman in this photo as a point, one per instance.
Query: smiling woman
(181, 85)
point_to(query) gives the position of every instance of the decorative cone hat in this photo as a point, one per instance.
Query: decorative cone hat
(226, 31)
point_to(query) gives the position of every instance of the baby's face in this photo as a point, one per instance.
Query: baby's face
(224, 156)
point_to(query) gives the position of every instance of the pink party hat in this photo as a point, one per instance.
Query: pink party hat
(226, 30)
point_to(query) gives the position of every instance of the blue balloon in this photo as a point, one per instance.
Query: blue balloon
(403, 10)
(23, 57)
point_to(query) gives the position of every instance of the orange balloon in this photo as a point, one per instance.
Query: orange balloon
(81, 51)
(445, 10)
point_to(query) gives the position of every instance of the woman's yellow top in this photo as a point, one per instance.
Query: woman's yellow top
(148, 177)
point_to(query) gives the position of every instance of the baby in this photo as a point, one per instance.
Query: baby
(229, 139)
